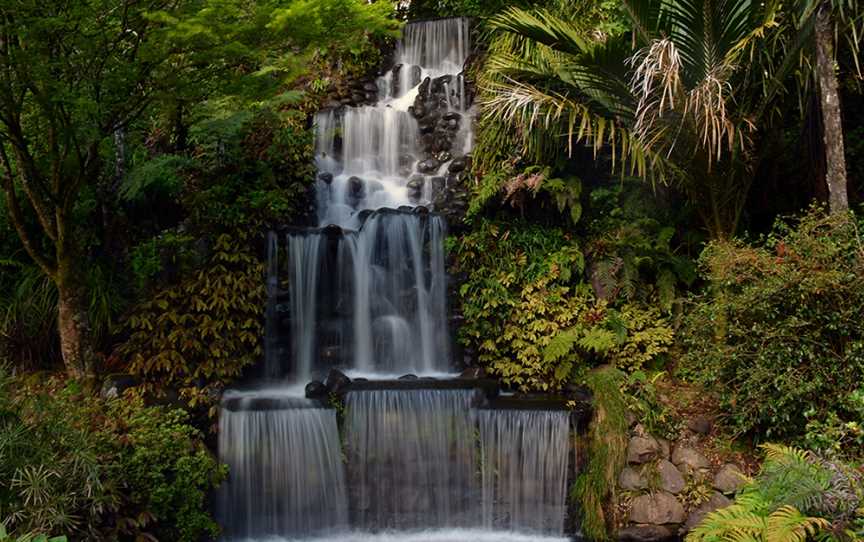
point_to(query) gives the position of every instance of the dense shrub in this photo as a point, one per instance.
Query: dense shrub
(201, 333)
(779, 333)
(100, 470)
(531, 318)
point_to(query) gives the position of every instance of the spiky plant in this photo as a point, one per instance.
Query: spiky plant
(679, 100)
(797, 496)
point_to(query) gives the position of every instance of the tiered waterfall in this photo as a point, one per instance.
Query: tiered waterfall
(364, 291)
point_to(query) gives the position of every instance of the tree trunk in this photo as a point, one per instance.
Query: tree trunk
(73, 323)
(829, 100)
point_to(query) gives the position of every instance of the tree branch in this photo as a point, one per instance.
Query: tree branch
(17, 218)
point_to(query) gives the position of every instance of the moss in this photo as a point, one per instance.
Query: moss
(594, 488)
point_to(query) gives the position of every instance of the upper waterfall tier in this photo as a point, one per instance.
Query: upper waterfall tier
(400, 150)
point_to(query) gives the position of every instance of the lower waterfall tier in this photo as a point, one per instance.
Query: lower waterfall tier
(407, 461)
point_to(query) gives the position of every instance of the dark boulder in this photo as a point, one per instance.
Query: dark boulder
(416, 182)
(337, 381)
(428, 166)
(459, 164)
(316, 390)
(325, 177)
(356, 187)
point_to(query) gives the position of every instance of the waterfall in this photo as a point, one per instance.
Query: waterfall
(524, 456)
(286, 471)
(411, 459)
(365, 290)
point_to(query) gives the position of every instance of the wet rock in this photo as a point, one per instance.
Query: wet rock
(428, 166)
(459, 164)
(426, 142)
(370, 87)
(356, 186)
(729, 479)
(325, 177)
(642, 449)
(316, 390)
(438, 183)
(408, 377)
(700, 424)
(630, 480)
(659, 508)
(114, 385)
(337, 381)
(444, 157)
(671, 479)
(689, 460)
(416, 182)
(645, 533)
(439, 82)
(452, 115)
(473, 373)
(716, 502)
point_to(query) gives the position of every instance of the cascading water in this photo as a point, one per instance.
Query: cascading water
(524, 456)
(365, 291)
(412, 459)
(286, 469)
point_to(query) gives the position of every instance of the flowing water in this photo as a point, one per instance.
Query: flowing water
(365, 291)
(286, 469)
(524, 457)
(411, 458)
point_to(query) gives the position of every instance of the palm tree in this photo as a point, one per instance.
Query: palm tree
(679, 99)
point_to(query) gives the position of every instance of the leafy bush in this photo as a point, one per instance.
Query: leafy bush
(782, 321)
(254, 168)
(634, 249)
(797, 496)
(533, 321)
(201, 333)
(517, 295)
(100, 470)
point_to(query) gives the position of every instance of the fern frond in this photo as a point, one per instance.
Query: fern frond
(788, 524)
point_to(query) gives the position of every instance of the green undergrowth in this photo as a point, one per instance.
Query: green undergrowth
(594, 489)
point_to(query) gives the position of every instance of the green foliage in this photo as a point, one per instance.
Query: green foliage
(166, 471)
(594, 489)
(782, 320)
(4, 537)
(657, 107)
(100, 470)
(254, 169)
(836, 434)
(641, 391)
(28, 315)
(159, 177)
(207, 328)
(633, 250)
(518, 294)
(797, 496)
(531, 319)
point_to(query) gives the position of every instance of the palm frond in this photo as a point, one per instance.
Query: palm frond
(542, 27)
